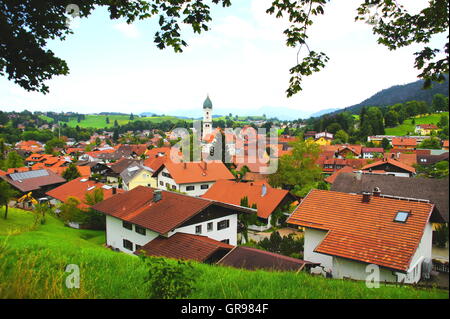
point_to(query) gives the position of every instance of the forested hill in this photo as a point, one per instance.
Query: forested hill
(399, 94)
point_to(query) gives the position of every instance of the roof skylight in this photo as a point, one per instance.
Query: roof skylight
(401, 217)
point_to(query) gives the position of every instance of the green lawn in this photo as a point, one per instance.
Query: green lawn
(17, 222)
(407, 125)
(99, 121)
(33, 263)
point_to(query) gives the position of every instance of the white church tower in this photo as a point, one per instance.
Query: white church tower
(207, 117)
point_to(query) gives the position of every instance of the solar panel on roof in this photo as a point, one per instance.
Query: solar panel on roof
(29, 174)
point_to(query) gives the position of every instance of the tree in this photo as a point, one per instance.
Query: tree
(385, 143)
(246, 219)
(443, 121)
(69, 211)
(439, 103)
(25, 59)
(71, 172)
(6, 194)
(391, 119)
(107, 120)
(342, 136)
(13, 160)
(431, 143)
(298, 169)
(169, 279)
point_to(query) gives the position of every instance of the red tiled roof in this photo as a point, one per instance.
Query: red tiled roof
(392, 162)
(403, 141)
(346, 169)
(195, 172)
(137, 207)
(185, 246)
(252, 259)
(34, 183)
(85, 171)
(373, 150)
(364, 231)
(77, 188)
(232, 192)
(356, 149)
(428, 126)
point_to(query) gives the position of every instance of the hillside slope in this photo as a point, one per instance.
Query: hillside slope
(399, 94)
(32, 265)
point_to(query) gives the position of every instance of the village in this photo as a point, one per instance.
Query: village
(369, 207)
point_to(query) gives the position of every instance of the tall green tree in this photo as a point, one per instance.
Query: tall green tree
(71, 172)
(298, 169)
(7, 193)
(440, 103)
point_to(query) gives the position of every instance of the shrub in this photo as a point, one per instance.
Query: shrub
(169, 279)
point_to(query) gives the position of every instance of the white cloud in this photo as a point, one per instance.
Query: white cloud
(128, 30)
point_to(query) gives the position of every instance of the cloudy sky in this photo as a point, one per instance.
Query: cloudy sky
(241, 62)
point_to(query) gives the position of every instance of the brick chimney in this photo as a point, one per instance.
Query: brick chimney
(376, 192)
(157, 195)
(114, 191)
(366, 197)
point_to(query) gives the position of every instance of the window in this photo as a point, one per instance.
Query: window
(205, 186)
(198, 229)
(226, 241)
(161, 183)
(137, 247)
(210, 226)
(174, 187)
(167, 185)
(127, 225)
(166, 175)
(127, 244)
(190, 188)
(401, 217)
(223, 224)
(140, 230)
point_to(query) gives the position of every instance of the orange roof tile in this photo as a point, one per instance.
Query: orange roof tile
(361, 231)
(232, 192)
(77, 188)
(196, 172)
(404, 141)
(392, 162)
(185, 246)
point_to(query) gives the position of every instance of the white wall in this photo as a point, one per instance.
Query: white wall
(229, 233)
(182, 187)
(116, 233)
(357, 270)
(342, 267)
(313, 237)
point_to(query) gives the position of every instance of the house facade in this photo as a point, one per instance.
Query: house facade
(345, 233)
(136, 217)
(193, 178)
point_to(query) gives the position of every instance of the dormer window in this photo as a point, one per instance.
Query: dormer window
(401, 217)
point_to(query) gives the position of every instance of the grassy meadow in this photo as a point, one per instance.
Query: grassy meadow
(99, 121)
(407, 125)
(33, 259)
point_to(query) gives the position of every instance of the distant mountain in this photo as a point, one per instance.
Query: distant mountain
(326, 111)
(112, 113)
(399, 94)
(145, 114)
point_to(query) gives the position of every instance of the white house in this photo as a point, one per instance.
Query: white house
(347, 232)
(136, 217)
(193, 178)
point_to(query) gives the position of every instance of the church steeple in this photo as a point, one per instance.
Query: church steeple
(207, 117)
(207, 104)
